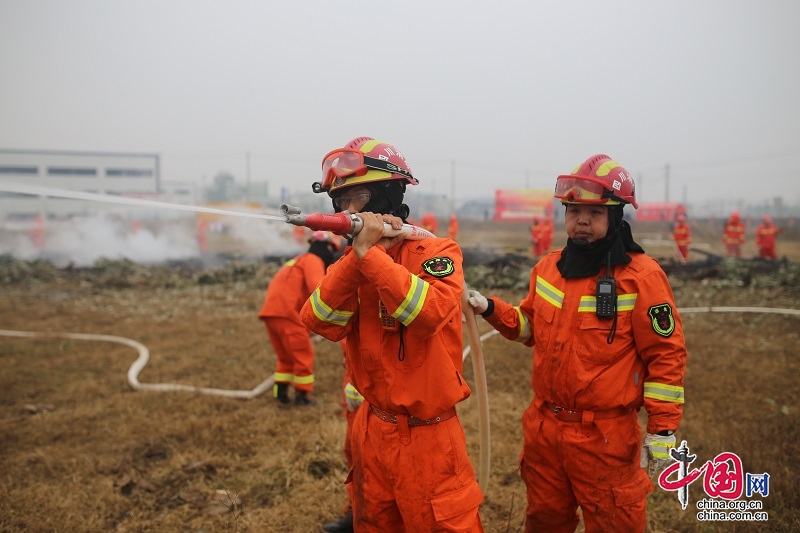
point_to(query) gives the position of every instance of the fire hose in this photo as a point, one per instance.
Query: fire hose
(345, 223)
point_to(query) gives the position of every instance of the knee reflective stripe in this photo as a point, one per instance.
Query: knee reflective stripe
(665, 393)
(303, 380)
(326, 314)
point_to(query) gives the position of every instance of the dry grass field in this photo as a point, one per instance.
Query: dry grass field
(81, 451)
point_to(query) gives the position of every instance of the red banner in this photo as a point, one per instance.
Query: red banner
(522, 204)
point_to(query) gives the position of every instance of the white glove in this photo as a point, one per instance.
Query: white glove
(315, 338)
(352, 397)
(655, 453)
(478, 301)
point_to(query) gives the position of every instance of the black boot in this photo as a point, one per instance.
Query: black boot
(280, 391)
(342, 525)
(303, 398)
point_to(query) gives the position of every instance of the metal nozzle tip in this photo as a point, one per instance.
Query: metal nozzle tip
(287, 209)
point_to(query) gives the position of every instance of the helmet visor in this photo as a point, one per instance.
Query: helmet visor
(344, 162)
(582, 190)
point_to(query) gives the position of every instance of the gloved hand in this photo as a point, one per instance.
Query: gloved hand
(478, 301)
(655, 453)
(352, 397)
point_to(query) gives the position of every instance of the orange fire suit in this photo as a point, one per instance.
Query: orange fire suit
(682, 235)
(285, 296)
(766, 235)
(733, 237)
(536, 238)
(547, 235)
(400, 311)
(582, 438)
(452, 229)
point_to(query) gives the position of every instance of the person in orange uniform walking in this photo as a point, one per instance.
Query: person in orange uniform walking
(536, 237)
(286, 293)
(452, 228)
(766, 235)
(733, 235)
(547, 234)
(682, 235)
(607, 340)
(398, 304)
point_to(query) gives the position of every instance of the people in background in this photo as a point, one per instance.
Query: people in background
(766, 237)
(607, 341)
(452, 228)
(733, 235)
(682, 235)
(287, 292)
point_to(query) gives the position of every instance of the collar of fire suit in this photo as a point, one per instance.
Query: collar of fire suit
(583, 260)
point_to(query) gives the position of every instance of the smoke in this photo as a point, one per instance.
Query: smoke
(82, 241)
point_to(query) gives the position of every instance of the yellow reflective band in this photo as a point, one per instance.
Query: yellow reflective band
(659, 451)
(588, 304)
(626, 302)
(326, 314)
(282, 377)
(352, 393)
(549, 292)
(665, 393)
(289, 263)
(412, 305)
(524, 326)
(304, 380)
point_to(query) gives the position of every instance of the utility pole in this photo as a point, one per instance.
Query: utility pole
(247, 173)
(666, 182)
(639, 181)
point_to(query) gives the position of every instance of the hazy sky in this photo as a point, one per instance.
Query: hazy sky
(515, 92)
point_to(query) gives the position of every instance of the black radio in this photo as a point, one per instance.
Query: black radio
(606, 294)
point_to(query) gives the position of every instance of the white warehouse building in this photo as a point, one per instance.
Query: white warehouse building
(135, 175)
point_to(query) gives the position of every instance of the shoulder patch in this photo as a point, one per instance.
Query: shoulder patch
(439, 267)
(662, 319)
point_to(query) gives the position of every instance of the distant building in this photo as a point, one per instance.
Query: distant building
(135, 175)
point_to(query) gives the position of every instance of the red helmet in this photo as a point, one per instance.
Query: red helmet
(735, 215)
(326, 236)
(599, 180)
(362, 160)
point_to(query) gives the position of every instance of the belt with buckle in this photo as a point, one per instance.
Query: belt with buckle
(572, 415)
(413, 421)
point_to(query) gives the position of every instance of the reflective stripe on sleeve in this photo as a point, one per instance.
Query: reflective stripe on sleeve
(352, 393)
(665, 393)
(524, 326)
(326, 314)
(412, 305)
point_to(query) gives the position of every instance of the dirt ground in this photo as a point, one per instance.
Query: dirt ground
(80, 450)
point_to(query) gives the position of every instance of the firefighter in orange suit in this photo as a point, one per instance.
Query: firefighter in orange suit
(536, 237)
(452, 228)
(398, 305)
(607, 341)
(547, 234)
(766, 234)
(682, 235)
(286, 293)
(733, 235)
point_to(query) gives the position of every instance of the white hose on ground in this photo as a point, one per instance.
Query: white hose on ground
(141, 362)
